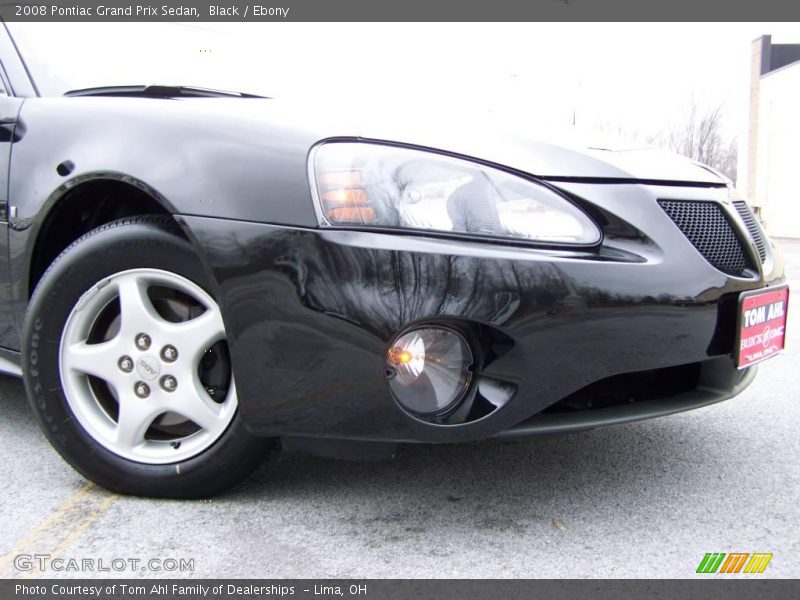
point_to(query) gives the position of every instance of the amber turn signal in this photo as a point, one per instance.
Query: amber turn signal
(347, 205)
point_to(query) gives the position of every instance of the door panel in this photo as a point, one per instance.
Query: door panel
(9, 334)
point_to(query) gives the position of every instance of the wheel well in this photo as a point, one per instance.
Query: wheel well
(82, 209)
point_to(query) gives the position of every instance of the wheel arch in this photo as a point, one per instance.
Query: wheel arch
(85, 203)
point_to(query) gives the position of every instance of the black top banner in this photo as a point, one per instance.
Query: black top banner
(407, 10)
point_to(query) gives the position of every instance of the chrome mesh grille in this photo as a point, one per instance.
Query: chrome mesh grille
(752, 226)
(710, 231)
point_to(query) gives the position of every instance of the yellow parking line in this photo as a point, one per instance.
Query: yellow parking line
(60, 529)
(47, 523)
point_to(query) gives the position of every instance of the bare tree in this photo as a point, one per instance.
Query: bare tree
(730, 160)
(699, 135)
(701, 138)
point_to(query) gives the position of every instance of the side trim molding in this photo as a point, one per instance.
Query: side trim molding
(10, 362)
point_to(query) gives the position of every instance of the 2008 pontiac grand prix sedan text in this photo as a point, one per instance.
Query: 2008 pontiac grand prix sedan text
(197, 279)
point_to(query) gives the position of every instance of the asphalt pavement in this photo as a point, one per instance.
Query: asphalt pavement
(642, 500)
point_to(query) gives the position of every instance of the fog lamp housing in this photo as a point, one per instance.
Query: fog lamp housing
(428, 369)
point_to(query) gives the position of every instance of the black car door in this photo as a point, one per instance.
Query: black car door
(9, 109)
(16, 86)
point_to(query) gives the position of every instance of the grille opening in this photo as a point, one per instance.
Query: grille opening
(709, 230)
(752, 226)
(621, 390)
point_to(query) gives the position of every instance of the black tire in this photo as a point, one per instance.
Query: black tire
(132, 243)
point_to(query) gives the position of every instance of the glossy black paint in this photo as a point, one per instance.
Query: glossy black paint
(310, 311)
(9, 108)
(243, 159)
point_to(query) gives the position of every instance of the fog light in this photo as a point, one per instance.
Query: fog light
(428, 369)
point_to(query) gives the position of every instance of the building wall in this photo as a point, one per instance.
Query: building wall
(759, 54)
(777, 175)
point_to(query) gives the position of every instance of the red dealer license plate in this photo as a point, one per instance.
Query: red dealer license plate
(762, 325)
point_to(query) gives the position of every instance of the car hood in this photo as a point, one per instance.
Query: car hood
(550, 153)
(510, 141)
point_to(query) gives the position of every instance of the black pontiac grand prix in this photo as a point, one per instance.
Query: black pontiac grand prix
(194, 280)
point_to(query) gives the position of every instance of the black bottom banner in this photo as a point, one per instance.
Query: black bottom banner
(389, 589)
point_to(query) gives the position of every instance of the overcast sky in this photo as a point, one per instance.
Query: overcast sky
(635, 77)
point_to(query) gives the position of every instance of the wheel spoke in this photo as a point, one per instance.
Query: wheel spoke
(98, 360)
(136, 311)
(135, 417)
(195, 336)
(199, 408)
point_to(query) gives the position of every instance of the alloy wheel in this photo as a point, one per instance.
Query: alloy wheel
(145, 367)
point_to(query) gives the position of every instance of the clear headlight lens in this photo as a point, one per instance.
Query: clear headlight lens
(373, 185)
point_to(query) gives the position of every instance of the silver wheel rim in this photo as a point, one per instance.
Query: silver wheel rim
(165, 412)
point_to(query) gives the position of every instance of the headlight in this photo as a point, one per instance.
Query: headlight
(373, 185)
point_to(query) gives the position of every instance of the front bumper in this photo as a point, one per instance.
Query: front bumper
(718, 380)
(309, 314)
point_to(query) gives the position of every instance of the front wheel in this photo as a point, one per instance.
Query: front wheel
(127, 367)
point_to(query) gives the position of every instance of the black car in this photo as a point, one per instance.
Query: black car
(362, 286)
